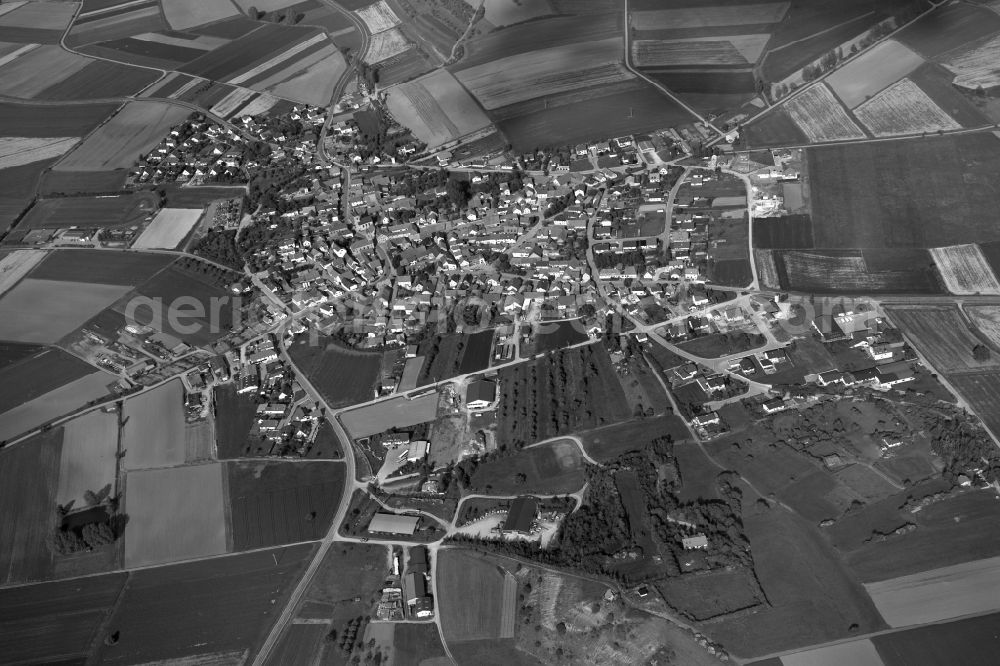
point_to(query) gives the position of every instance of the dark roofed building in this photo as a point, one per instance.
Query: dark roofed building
(521, 515)
(480, 394)
(417, 561)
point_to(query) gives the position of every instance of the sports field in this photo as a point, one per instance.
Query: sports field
(394, 413)
(939, 594)
(88, 456)
(928, 192)
(880, 66)
(154, 430)
(175, 513)
(168, 228)
(136, 129)
(436, 108)
(46, 311)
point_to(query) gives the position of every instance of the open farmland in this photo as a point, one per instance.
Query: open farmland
(986, 318)
(16, 151)
(274, 503)
(385, 45)
(551, 469)
(171, 292)
(56, 623)
(338, 598)
(707, 17)
(887, 271)
(941, 335)
(17, 189)
(37, 21)
(880, 66)
(911, 193)
(392, 413)
(154, 427)
(939, 594)
(46, 310)
(558, 334)
(591, 113)
(183, 14)
(583, 390)
(20, 77)
(168, 228)
(101, 79)
(787, 232)
(68, 396)
(120, 21)
(971, 641)
(949, 28)
(313, 83)
(787, 54)
(474, 598)
(16, 265)
(821, 117)
(175, 513)
(93, 212)
(982, 391)
(99, 267)
(343, 376)
(775, 128)
(436, 108)
(976, 66)
(88, 456)
(237, 600)
(702, 597)
(545, 72)
(722, 50)
(29, 478)
(51, 119)
(860, 652)
(903, 108)
(965, 270)
(378, 17)
(135, 129)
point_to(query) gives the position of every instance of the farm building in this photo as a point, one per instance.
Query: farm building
(418, 450)
(522, 515)
(417, 561)
(696, 542)
(480, 394)
(390, 523)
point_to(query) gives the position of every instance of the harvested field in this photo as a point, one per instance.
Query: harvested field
(982, 391)
(949, 28)
(273, 503)
(29, 478)
(508, 12)
(722, 50)
(436, 108)
(135, 129)
(56, 622)
(471, 591)
(154, 429)
(101, 79)
(92, 212)
(702, 597)
(706, 17)
(545, 72)
(393, 413)
(986, 318)
(707, 84)
(903, 108)
(971, 641)
(965, 270)
(168, 228)
(302, 47)
(239, 599)
(591, 113)
(46, 311)
(16, 151)
(67, 397)
(786, 232)
(550, 469)
(880, 66)
(976, 66)
(175, 513)
(936, 81)
(51, 119)
(784, 59)
(941, 335)
(584, 390)
(312, 85)
(19, 78)
(856, 271)
(184, 14)
(16, 265)
(81, 182)
(100, 267)
(343, 376)
(385, 45)
(939, 594)
(88, 457)
(821, 117)
(911, 193)
(245, 53)
(378, 17)
(39, 15)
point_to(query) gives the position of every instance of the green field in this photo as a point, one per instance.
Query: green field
(611, 441)
(470, 590)
(343, 376)
(101, 267)
(551, 469)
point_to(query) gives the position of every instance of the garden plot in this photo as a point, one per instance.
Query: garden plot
(821, 117)
(545, 72)
(378, 17)
(707, 17)
(88, 456)
(903, 108)
(168, 228)
(175, 513)
(385, 45)
(886, 63)
(15, 150)
(965, 270)
(436, 108)
(732, 50)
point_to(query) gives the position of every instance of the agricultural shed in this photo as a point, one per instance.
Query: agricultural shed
(523, 511)
(390, 523)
